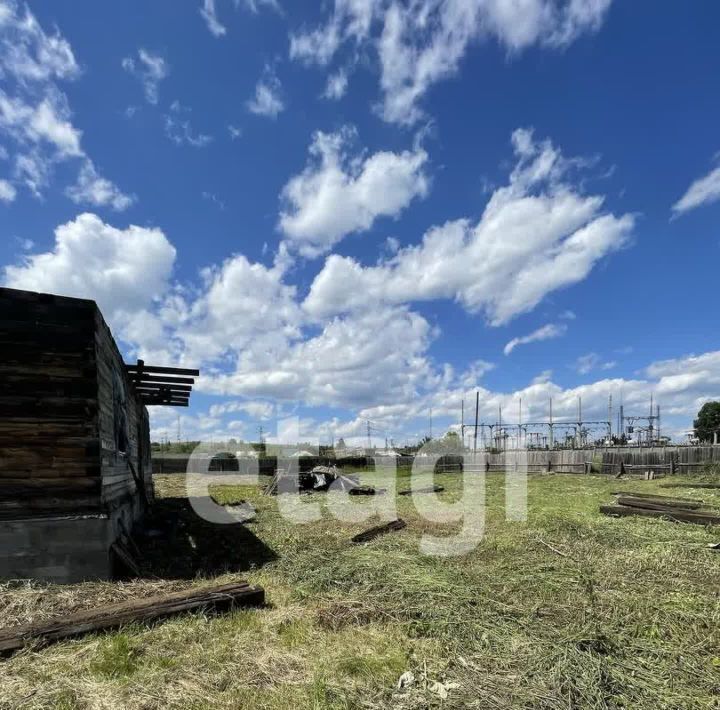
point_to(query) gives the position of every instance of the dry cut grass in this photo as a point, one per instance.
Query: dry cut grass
(567, 610)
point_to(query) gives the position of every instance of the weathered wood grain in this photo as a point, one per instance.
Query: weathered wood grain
(221, 597)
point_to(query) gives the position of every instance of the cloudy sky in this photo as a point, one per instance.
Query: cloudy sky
(350, 211)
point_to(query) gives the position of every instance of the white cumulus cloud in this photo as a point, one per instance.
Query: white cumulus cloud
(122, 269)
(209, 14)
(7, 191)
(268, 99)
(35, 115)
(703, 191)
(545, 332)
(420, 42)
(93, 189)
(592, 361)
(537, 234)
(338, 194)
(336, 86)
(150, 69)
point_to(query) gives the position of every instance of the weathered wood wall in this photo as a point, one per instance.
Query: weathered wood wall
(49, 453)
(64, 469)
(126, 479)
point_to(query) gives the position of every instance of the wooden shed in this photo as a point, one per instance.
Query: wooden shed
(75, 466)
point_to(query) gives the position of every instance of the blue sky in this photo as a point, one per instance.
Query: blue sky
(350, 211)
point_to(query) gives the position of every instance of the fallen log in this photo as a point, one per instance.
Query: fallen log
(657, 503)
(684, 516)
(372, 533)
(429, 489)
(222, 597)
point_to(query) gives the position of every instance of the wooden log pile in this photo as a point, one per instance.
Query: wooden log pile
(685, 510)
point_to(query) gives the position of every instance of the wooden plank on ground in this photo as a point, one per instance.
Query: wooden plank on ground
(655, 496)
(365, 491)
(429, 489)
(372, 533)
(657, 503)
(217, 598)
(690, 485)
(685, 516)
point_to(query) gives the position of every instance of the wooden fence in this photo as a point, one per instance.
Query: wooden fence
(667, 459)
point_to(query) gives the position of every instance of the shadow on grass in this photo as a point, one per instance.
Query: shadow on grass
(175, 543)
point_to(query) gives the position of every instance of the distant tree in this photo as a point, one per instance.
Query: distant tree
(708, 421)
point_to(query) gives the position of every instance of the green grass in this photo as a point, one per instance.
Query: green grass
(570, 609)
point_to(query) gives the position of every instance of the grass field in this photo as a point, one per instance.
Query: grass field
(570, 609)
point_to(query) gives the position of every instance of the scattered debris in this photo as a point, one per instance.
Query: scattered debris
(372, 533)
(321, 478)
(222, 597)
(406, 680)
(441, 689)
(677, 509)
(555, 549)
(429, 489)
(713, 546)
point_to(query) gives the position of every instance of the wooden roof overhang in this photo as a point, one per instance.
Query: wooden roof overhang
(168, 386)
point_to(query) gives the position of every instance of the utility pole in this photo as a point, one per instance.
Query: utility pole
(519, 422)
(610, 418)
(431, 436)
(552, 431)
(369, 445)
(579, 434)
(462, 422)
(477, 409)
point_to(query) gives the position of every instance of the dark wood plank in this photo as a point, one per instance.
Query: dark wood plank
(429, 489)
(162, 378)
(684, 516)
(657, 503)
(221, 597)
(372, 533)
(132, 369)
(690, 485)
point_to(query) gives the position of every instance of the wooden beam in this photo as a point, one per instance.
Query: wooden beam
(657, 504)
(428, 489)
(161, 378)
(675, 514)
(690, 485)
(221, 597)
(158, 388)
(372, 533)
(163, 370)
